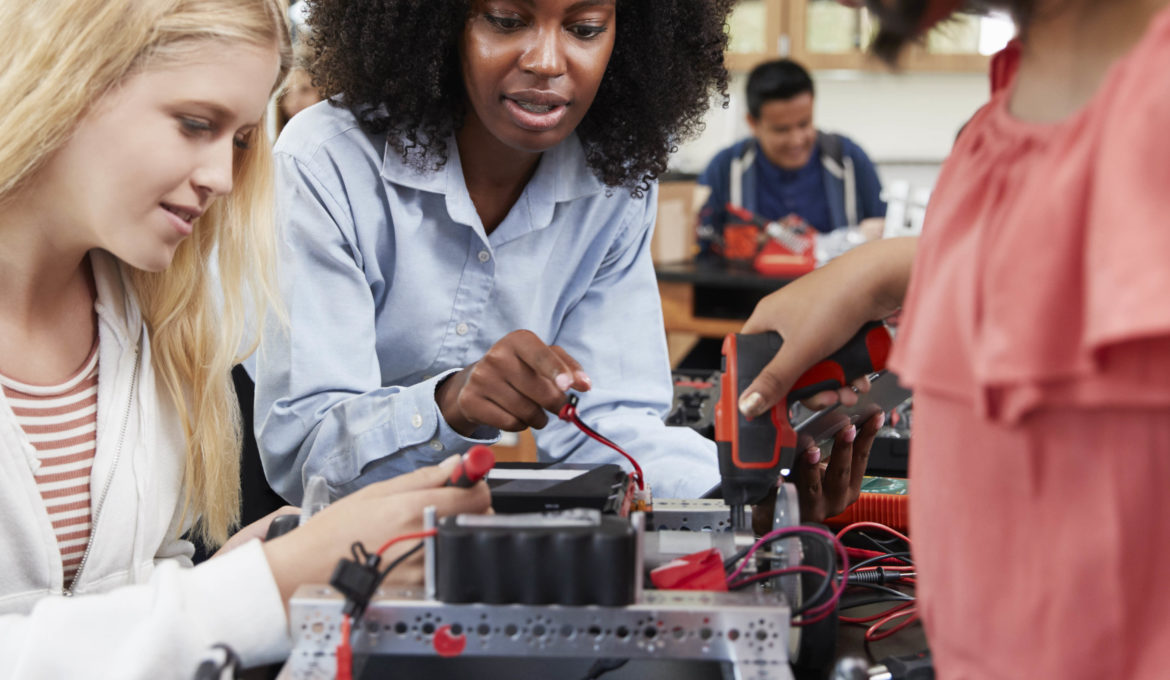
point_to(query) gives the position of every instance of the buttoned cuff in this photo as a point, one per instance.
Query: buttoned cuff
(445, 441)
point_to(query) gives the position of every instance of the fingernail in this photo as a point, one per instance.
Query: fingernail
(583, 378)
(851, 433)
(881, 420)
(563, 381)
(750, 405)
(813, 455)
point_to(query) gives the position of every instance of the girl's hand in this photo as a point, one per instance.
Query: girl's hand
(819, 312)
(373, 516)
(512, 387)
(825, 489)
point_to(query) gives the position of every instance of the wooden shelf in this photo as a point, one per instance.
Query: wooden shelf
(786, 35)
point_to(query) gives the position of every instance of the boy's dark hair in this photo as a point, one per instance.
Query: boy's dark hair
(395, 64)
(780, 79)
(902, 20)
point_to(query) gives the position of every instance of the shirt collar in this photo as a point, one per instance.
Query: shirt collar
(116, 303)
(561, 176)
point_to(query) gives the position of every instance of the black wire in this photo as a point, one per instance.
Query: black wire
(830, 571)
(361, 555)
(729, 563)
(854, 603)
(881, 589)
(210, 669)
(603, 666)
(397, 561)
(891, 541)
(883, 546)
(903, 557)
(829, 574)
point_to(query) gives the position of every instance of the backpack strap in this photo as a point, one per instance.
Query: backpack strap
(739, 166)
(840, 166)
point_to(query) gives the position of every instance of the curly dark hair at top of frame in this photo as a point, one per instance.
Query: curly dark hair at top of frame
(395, 64)
(902, 21)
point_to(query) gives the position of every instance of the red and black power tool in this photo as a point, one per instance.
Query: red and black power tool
(782, 248)
(752, 453)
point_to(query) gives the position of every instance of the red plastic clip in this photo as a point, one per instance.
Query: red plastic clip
(699, 571)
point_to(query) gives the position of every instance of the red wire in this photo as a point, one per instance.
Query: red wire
(861, 555)
(344, 652)
(872, 525)
(874, 617)
(907, 610)
(821, 611)
(762, 576)
(693, 384)
(875, 633)
(406, 537)
(783, 531)
(897, 568)
(569, 412)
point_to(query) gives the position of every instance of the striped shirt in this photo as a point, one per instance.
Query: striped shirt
(61, 422)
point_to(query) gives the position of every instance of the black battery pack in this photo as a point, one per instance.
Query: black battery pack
(578, 557)
(527, 487)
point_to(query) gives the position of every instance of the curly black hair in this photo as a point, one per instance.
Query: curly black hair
(395, 64)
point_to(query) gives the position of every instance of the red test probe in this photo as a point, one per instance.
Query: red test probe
(473, 466)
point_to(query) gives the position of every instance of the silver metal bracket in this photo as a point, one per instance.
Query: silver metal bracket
(684, 514)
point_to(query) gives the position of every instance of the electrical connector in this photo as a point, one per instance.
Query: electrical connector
(357, 581)
(880, 576)
(643, 500)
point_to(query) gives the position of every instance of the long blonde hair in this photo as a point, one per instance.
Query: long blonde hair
(61, 57)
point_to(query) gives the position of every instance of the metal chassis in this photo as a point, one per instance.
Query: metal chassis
(748, 631)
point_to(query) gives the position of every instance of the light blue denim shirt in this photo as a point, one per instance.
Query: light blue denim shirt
(391, 284)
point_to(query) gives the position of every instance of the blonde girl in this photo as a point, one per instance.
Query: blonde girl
(134, 162)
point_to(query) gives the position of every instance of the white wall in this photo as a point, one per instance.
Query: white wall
(905, 122)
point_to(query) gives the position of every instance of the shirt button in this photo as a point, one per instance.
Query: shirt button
(436, 445)
(484, 256)
(416, 420)
(461, 329)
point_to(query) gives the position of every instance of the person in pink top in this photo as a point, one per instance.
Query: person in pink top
(1036, 335)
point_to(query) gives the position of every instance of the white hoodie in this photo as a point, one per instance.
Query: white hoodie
(135, 610)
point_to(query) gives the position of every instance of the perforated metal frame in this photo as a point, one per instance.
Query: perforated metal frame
(688, 514)
(747, 630)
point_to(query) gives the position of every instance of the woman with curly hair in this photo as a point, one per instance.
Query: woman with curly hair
(468, 225)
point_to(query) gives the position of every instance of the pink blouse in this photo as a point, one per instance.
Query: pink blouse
(1037, 338)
